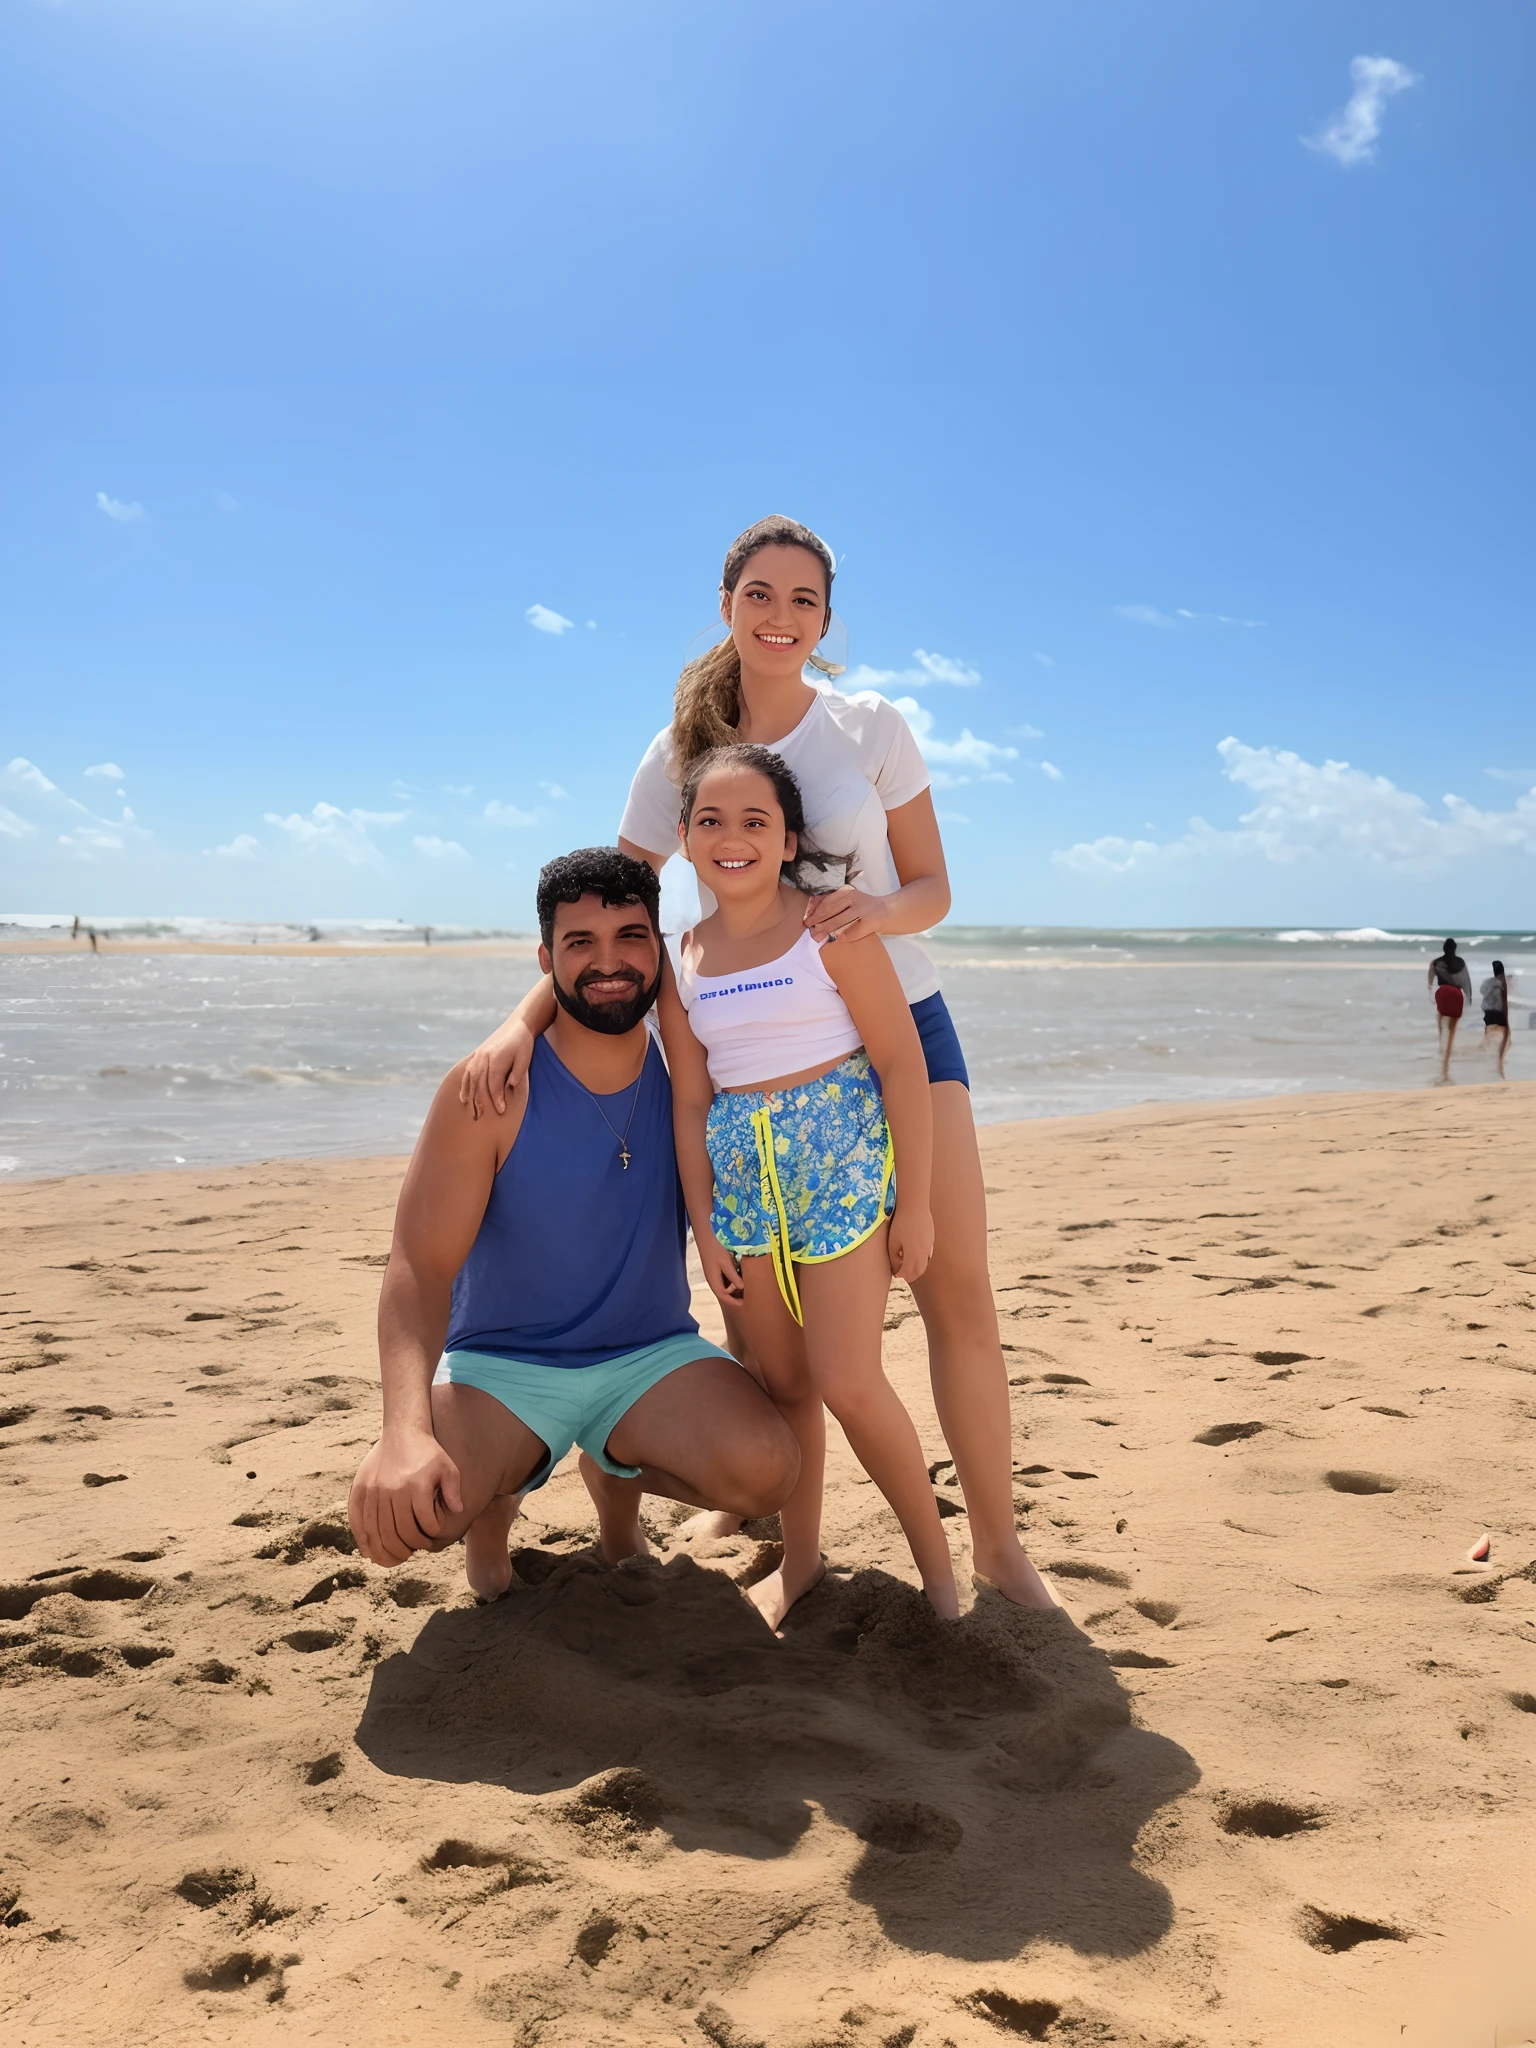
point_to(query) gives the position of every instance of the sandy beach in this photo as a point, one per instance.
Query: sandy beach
(1274, 1369)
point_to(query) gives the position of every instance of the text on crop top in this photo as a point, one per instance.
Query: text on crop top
(780, 1018)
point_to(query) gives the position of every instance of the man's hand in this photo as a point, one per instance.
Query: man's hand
(496, 1067)
(845, 914)
(404, 1493)
(910, 1242)
(720, 1269)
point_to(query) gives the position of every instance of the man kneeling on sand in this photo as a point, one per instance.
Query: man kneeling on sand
(537, 1296)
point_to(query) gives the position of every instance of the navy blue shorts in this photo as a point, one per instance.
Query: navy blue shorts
(941, 1042)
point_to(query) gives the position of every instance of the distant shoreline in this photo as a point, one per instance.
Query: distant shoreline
(298, 949)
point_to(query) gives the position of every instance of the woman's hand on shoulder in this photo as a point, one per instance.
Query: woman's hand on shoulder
(497, 1066)
(845, 914)
(910, 1242)
(720, 1268)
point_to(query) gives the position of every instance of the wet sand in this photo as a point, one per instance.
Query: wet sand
(1274, 1371)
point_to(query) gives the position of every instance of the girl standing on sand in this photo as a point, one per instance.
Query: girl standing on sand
(804, 1199)
(866, 792)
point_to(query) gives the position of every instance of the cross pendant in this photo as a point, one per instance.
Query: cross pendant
(624, 1157)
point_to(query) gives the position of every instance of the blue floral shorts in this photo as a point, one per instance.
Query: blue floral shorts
(802, 1174)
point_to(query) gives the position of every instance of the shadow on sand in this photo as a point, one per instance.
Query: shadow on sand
(988, 1769)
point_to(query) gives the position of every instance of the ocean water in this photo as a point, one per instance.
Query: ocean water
(128, 1060)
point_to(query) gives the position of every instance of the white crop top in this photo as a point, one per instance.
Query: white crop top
(776, 1019)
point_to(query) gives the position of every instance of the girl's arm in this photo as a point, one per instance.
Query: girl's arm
(921, 902)
(867, 982)
(692, 1094)
(499, 1064)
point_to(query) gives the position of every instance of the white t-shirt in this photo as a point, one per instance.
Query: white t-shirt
(855, 758)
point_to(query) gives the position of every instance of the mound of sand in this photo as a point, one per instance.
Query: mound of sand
(1269, 1782)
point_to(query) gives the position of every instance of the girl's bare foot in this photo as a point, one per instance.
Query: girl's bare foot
(1012, 1575)
(774, 1596)
(711, 1522)
(487, 1561)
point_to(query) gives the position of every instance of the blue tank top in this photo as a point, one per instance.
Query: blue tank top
(579, 1259)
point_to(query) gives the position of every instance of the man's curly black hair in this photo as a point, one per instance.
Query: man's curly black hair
(596, 871)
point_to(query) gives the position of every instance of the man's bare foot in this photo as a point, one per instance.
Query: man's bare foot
(774, 1596)
(1015, 1578)
(487, 1562)
(710, 1522)
(619, 1534)
(944, 1599)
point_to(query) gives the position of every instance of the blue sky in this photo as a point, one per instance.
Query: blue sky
(1162, 372)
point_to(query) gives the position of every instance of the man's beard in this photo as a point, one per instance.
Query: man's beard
(620, 1013)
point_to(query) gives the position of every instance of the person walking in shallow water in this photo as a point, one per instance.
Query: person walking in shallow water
(1452, 984)
(1494, 997)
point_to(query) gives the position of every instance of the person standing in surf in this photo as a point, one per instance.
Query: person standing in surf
(867, 793)
(1494, 997)
(1452, 985)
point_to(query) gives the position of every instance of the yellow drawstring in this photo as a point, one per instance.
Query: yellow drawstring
(768, 1182)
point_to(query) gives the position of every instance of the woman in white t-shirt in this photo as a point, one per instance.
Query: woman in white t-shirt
(866, 791)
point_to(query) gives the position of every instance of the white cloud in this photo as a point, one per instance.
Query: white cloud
(95, 837)
(438, 849)
(496, 813)
(1331, 813)
(1051, 772)
(329, 829)
(1143, 614)
(22, 774)
(955, 762)
(931, 668)
(1524, 777)
(1024, 732)
(952, 817)
(1350, 137)
(86, 834)
(107, 770)
(543, 620)
(14, 827)
(458, 789)
(591, 625)
(115, 508)
(242, 847)
(553, 790)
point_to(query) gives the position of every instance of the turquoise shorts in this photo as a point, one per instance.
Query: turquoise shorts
(573, 1404)
(801, 1174)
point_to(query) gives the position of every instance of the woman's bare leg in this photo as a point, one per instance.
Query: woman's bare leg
(844, 1304)
(1450, 1040)
(777, 1348)
(965, 1356)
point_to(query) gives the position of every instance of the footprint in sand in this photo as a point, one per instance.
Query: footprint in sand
(1229, 1432)
(1270, 1819)
(349, 1577)
(1163, 1612)
(206, 1888)
(323, 1769)
(596, 1938)
(1336, 1933)
(1360, 1482)
(1031, 2017)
